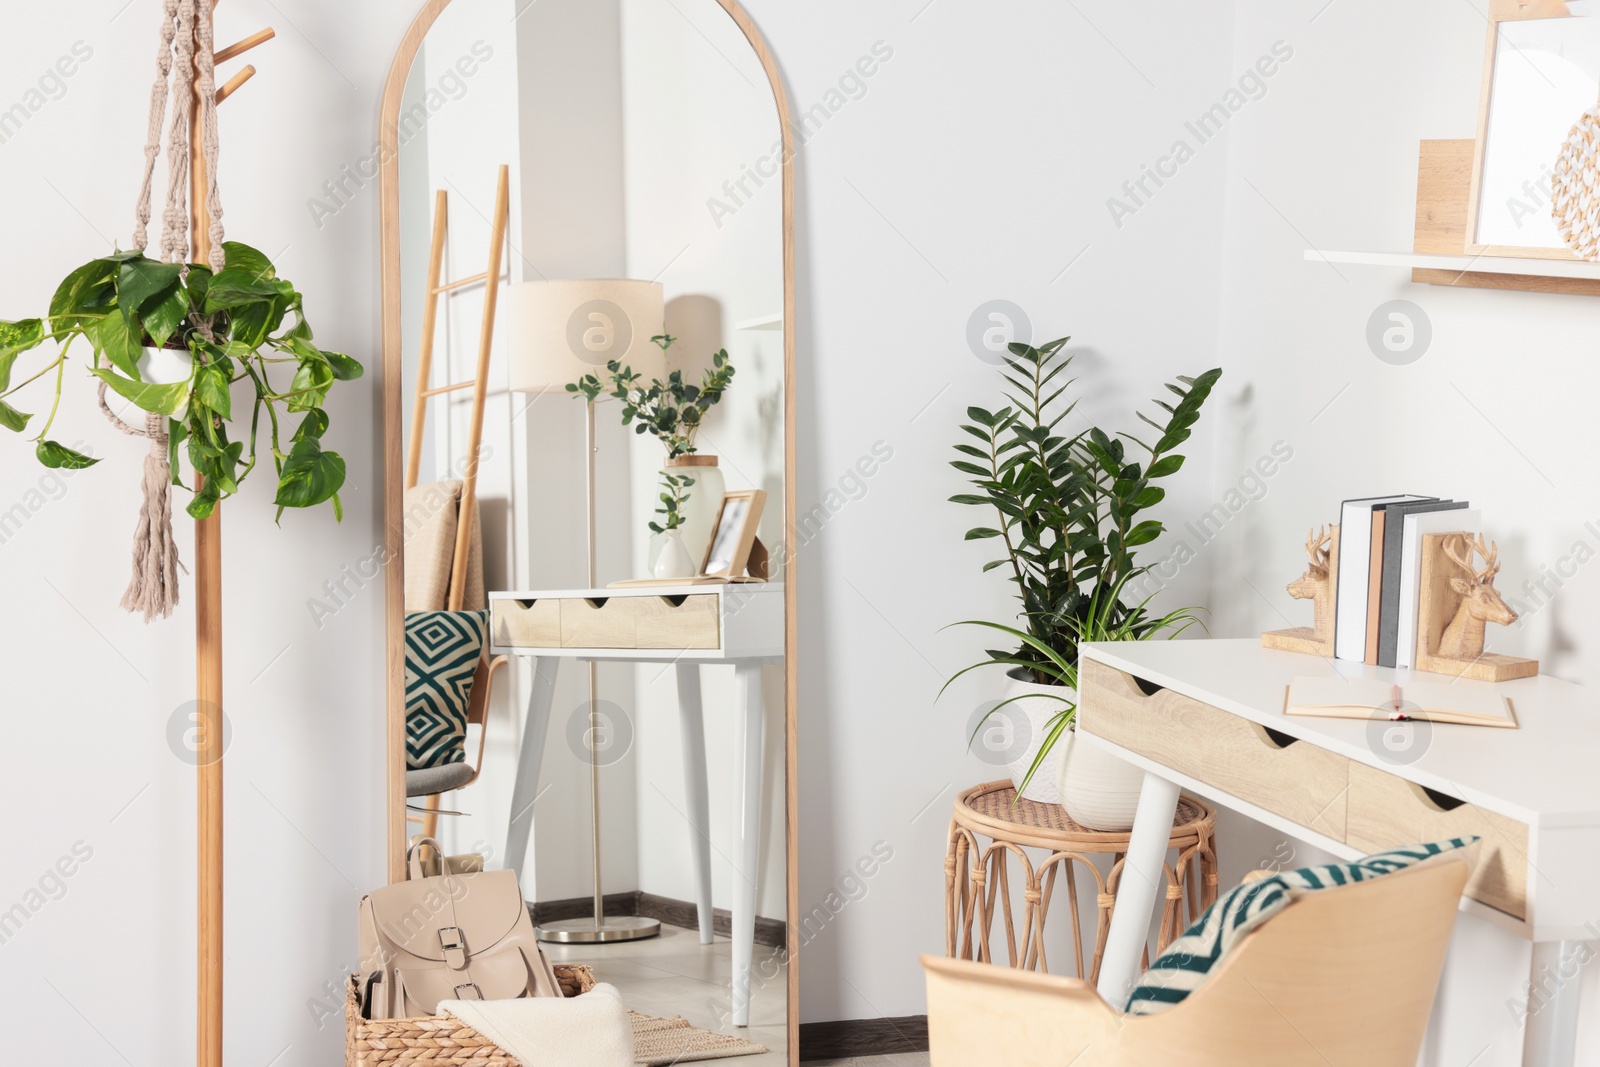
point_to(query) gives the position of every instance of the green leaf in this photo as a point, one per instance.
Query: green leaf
(159, 399)
(1164, 466)
(164, 313)
(249, 324)
(980, 533)
(310, 385)
(88, 287)
(141, 280)
(345, 369)
(211, 390)
(310, 475)
(120, 341)
(198, 282)
(239, 256)
(235, 287)
(61, 457)
(315, 424)
(1143, 533)
(12, 419)
(15, 339)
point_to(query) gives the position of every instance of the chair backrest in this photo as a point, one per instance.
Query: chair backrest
(1340, 976)
(1344, 975)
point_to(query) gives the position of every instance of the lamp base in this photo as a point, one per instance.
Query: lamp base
(588, 932)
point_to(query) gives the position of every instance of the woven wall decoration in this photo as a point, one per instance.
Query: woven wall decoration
(1575, 200)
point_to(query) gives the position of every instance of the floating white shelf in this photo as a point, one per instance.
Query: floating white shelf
(1539, 268)
(770, 322)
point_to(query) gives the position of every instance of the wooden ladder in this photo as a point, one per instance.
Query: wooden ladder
(478, 383)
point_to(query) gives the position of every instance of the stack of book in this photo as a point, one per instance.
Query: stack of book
(1380, 555)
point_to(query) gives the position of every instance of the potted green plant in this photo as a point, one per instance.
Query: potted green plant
(1070, 512)
(673, 412)
(673, 560)
(173, 339)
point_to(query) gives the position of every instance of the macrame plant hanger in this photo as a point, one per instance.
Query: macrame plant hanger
(191, 232)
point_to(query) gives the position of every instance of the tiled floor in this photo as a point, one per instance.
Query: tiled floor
(676, 975)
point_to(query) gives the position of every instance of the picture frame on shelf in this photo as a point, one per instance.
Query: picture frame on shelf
(733, 534)
(1541, 71)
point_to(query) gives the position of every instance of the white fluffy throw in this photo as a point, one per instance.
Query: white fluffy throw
(587, 1031)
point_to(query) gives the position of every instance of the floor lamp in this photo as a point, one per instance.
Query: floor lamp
(560, 331)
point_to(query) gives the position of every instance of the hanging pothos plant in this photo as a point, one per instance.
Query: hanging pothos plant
(232, 324)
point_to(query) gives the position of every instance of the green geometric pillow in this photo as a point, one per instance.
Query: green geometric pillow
(443, 649)
(1190, 959)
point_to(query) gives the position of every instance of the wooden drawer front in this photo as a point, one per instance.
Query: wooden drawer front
(641, 622)
(1298, 781)
(691, 622)
(526, 623)
(1387, 811)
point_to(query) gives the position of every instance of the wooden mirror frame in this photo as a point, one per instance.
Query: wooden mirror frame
(393, 474)
(1504, 11)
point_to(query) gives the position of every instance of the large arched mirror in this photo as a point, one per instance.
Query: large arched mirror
(589, 435)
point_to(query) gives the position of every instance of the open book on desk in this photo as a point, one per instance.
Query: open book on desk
(1470, 704)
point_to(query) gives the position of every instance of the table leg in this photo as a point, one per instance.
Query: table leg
(696, 793)
(535, 728)
(1556, 973)
(749, 728)
(1142, 875)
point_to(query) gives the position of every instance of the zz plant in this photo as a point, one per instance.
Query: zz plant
(1070, 510)
(236, 326)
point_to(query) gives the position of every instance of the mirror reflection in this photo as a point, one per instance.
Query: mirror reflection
(592, 257)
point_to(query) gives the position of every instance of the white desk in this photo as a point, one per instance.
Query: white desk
(690, 626)
(1201, 722)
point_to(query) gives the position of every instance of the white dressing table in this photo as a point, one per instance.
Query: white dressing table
(1207, 717)
(690, 626)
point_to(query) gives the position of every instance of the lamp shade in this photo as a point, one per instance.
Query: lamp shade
(561, 330)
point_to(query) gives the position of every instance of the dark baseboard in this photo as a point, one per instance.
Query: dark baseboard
(848, 1038)
(769, 932)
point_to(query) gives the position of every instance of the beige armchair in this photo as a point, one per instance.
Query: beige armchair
(1341, 976)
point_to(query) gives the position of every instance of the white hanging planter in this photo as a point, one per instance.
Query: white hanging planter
(167, 366)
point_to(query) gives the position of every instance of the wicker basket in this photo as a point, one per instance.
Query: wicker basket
(435, 1040)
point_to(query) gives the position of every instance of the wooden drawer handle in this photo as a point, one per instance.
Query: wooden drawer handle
(1149, 689)
(677, 600)
(596, 601)
(1432, 797)
(1276, 739)
(525, 604)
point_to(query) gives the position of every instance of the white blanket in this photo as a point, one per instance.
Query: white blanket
(588, 1031)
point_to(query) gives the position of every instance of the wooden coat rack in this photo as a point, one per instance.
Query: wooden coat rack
(208, 634)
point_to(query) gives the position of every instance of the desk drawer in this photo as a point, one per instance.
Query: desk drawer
(1298, 781)
(1387, 811)
(641, 622)
(526, 623)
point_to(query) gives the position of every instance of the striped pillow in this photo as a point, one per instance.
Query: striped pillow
(1181, 969)
(443, 649)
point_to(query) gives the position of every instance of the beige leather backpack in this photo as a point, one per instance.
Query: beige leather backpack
(450, 937)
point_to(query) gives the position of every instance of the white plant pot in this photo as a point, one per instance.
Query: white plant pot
(1098, 790)
(163, 366)
(700, 506)
(673, 559)
(1039, 704)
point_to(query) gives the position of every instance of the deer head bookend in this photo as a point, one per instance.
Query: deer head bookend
(1480, 600)
(1316, 584)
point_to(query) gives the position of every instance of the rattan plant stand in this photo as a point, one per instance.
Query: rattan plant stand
(977, 877)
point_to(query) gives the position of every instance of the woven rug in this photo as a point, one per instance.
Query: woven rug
(660, 1041)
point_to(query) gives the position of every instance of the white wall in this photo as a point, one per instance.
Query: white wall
(1493, 412)
(90, 689)
(974, 164)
